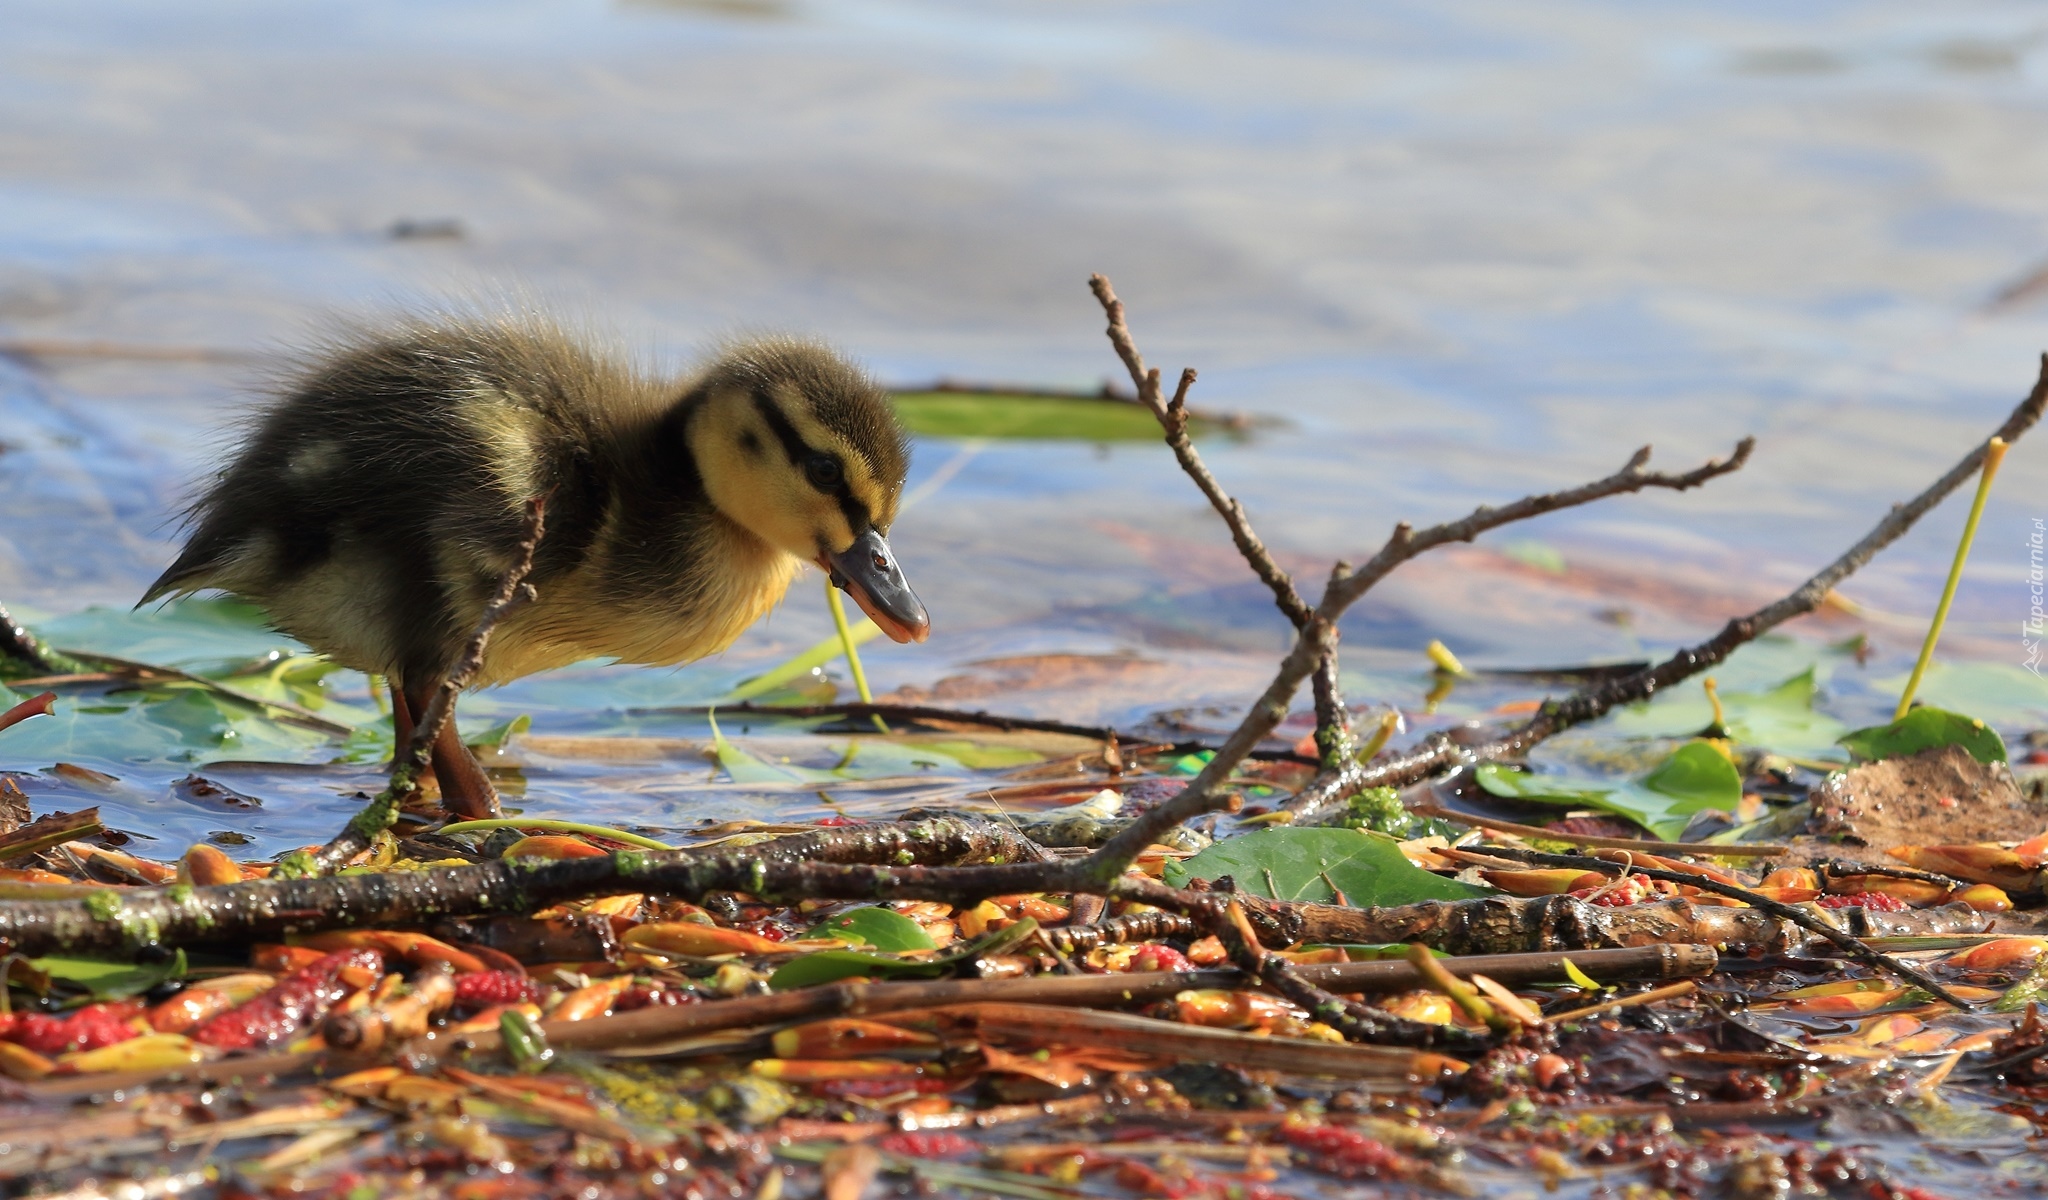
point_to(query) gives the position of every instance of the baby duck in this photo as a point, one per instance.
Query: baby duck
(373, 511)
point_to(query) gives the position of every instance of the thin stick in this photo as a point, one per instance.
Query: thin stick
(1669, 992)
(1784, 912)
(1994, 454)
(1744, 850)
(1333, 724)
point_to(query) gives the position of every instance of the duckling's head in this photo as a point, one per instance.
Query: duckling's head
(801, 448)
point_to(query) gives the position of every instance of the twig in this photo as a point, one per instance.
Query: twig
(1118, 931)
(1784, 912)
(1512, 924)
(410, 760)
(1329, 791)
(1333, 727)
(1222, 915)
(1172, 415)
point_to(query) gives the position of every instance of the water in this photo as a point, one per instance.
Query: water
(1463, 254)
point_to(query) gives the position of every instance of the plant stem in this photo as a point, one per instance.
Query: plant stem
(860, 677)
(1994, 454)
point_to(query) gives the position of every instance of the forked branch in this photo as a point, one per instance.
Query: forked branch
(1325, 796)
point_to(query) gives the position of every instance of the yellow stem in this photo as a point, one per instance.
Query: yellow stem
(860, 677)
(1378, 740)
(1994, 454)
(1714, 698)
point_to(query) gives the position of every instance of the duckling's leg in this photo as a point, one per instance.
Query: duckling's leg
(401, 733)
(466, 792)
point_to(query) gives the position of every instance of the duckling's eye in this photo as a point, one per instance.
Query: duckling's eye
(824, 472)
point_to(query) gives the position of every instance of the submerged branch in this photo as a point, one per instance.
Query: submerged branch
(121, 922)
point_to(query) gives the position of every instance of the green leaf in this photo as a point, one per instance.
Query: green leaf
(1696, 777)
(108, 980)
(1923, 729)
(1779, 719)
(1026, 416)
(504, 731)
(881, 928)
(1373, 951)
(825, 966)
(1314, 864)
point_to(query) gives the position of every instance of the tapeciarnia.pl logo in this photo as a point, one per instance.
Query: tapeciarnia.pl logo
(2037, 585)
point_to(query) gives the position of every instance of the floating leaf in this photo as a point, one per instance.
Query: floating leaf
(1696, 778)
(939, 414)
(108, 980)
(1315, 864)
(1780, 719)
(882, 928)
(825, 966)
(1923, 729)
(499, 734)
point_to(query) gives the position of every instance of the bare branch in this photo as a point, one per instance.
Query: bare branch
(1405, 543)
(1329, 790)
(1173, 419)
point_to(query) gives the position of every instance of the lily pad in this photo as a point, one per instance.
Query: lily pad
(1923, 729)
(1314, 865)
(1696, 777)
(878, 927)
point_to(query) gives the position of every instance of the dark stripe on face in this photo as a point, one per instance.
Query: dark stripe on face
(798, 450)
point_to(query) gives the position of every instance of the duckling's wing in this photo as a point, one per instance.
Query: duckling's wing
(372, 510)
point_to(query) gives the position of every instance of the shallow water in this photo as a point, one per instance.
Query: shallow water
(1462, 254)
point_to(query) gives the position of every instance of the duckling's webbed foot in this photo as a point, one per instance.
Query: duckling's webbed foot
(466, 791)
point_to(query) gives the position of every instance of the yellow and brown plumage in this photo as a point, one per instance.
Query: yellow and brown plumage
(374, 509)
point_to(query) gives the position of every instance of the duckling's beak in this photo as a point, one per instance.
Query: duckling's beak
(868, 572)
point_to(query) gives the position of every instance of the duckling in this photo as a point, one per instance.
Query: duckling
(373, 510)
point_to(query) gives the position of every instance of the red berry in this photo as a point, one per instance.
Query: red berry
(1346, 1152)
(489, 989)
(89, 1028)
(927, 1145)
(1160, 958)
